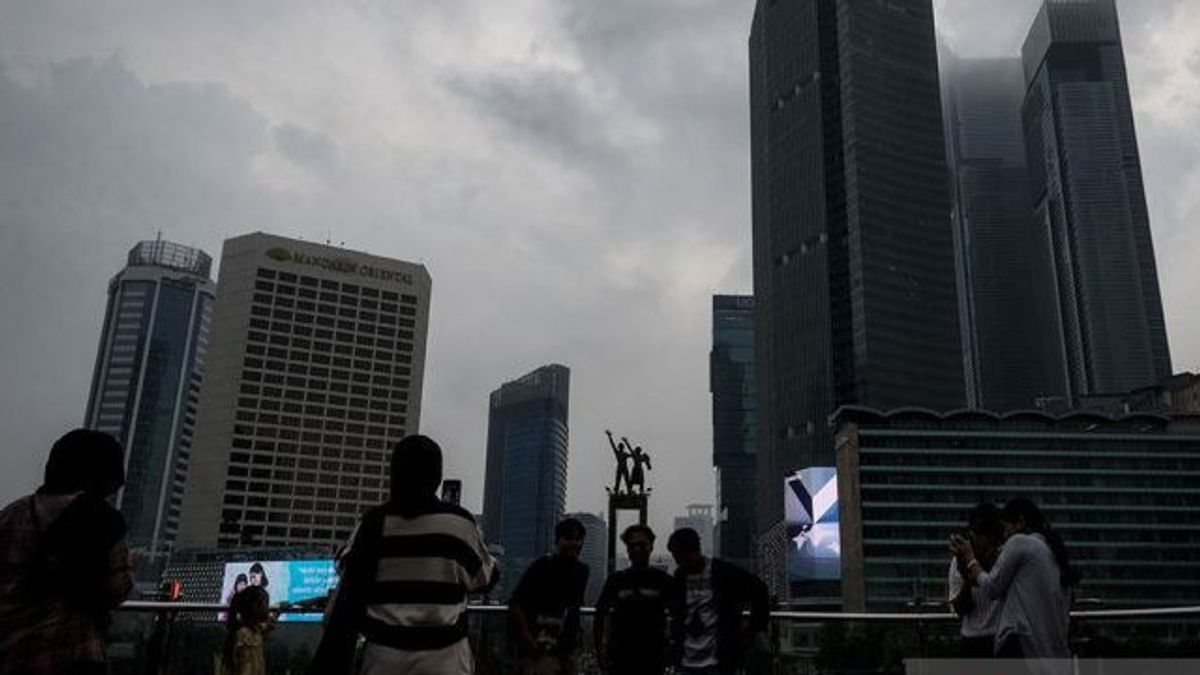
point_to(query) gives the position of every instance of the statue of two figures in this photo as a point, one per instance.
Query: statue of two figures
(635, 478)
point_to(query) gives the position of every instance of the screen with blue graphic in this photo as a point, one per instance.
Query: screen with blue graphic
(814, 539)
(287, 582)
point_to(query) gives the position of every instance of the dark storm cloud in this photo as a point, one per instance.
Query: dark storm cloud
(575, 174)
(91, 161)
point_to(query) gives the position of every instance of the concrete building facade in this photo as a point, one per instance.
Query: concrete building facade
(315, 370)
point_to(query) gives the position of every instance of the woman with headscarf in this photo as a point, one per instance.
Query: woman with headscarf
(64, 565)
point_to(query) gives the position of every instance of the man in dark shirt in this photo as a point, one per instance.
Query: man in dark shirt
(631, 614)
(545, 606)
(710, 633)
(64, 564)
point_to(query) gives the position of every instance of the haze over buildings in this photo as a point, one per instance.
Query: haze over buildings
(315, 370)
(146, 384)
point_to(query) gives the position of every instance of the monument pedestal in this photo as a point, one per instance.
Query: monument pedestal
(618, 502)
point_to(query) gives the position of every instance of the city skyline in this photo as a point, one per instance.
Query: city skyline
(571, 257)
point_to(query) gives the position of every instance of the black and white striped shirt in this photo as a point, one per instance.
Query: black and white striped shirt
(426, 564)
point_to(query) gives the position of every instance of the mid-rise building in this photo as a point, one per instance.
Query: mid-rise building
(1121, 491)
(854, 266)
(594, 553)
(1089, 197)
(1012, 344)
(315, 370)
(735, 426)
(525, 489)
(147, 379)
(700, 518)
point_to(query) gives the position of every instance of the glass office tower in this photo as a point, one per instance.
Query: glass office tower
(854, 270)
(525, 490)
(1089, 198)
(1011, 337)
(147, 380)
(735, 425)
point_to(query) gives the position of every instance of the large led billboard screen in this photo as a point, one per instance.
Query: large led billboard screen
(811, 514)
(286, 582)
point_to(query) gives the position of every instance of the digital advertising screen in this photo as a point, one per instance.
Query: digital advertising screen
(286, 582)
(814, 538)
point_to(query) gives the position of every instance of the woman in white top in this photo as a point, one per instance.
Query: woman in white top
(1033, 576)
(979, 613)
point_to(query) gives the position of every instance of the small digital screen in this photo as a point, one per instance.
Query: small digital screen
(287, 582)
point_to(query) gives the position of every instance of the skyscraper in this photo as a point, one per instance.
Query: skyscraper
(147, 380)
(1088, 196)
(1011, 341)
(854, 276)
(734, 415)
(525, 490)
(315, 370)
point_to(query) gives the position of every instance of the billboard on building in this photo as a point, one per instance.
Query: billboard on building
(813, 537)
(287, 582)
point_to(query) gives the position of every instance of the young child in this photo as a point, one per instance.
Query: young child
(248, 621)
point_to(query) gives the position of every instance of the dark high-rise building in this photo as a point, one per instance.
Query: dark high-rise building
(854, 275)
(147, 380)
(1011, 340)
(735, 425)
(1089, 197)
(525, 490)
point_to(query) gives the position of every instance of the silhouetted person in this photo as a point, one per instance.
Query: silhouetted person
(979, 613)
(246, 625)
(710, 633)
(406, 574)
(545, 605)
(1033, 577)
(632, 615)
(63, 564)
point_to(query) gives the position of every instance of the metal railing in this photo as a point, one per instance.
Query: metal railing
(182, 638)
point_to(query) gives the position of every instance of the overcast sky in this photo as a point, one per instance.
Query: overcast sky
(574, 173)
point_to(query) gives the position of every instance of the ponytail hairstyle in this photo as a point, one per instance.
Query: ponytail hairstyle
(247, 609)
(1024, 509)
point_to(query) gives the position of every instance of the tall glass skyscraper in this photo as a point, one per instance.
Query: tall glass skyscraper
(854, 271)
(525, 492)
(735, 424)
(1011, 337)
(147, 380)
(1088, 195)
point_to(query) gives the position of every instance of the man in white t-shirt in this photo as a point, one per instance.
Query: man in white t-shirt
(710, 632)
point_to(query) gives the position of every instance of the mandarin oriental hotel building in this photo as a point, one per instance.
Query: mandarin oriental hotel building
(315, 369)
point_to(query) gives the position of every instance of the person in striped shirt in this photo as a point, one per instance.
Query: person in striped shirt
(408, 569)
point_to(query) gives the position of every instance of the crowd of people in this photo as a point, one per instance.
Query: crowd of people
(400, 606)
(413, 562)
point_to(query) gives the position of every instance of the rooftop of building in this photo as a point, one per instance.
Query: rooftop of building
(1070, 421)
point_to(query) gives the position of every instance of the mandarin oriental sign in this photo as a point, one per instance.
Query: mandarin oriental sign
(341, 265)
